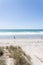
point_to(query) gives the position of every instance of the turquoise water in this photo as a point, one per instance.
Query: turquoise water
(9, 36)
(21, 30)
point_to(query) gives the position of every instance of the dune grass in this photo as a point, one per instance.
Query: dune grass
(1, 51)
(18, 54)
(2, 62)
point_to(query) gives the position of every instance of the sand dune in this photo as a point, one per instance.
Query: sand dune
(32, 47)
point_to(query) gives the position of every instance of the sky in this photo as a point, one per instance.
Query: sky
(21, 14)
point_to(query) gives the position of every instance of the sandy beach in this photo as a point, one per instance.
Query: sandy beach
(32, 47)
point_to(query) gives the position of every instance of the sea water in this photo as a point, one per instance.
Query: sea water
(21, 33)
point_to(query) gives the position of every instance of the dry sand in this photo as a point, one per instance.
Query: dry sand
(32, 47)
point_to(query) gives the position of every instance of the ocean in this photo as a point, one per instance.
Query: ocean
(21, 33)
(21, 30)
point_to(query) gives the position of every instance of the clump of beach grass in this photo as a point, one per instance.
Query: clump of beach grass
(18, 55)
(2, 62)
(15, 52)
(1, 51)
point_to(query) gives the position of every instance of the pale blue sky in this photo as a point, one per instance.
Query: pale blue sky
(21, 14)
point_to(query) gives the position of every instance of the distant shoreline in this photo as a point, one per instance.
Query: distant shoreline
(23, 36)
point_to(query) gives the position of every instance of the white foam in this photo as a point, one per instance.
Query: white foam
(20, 33)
